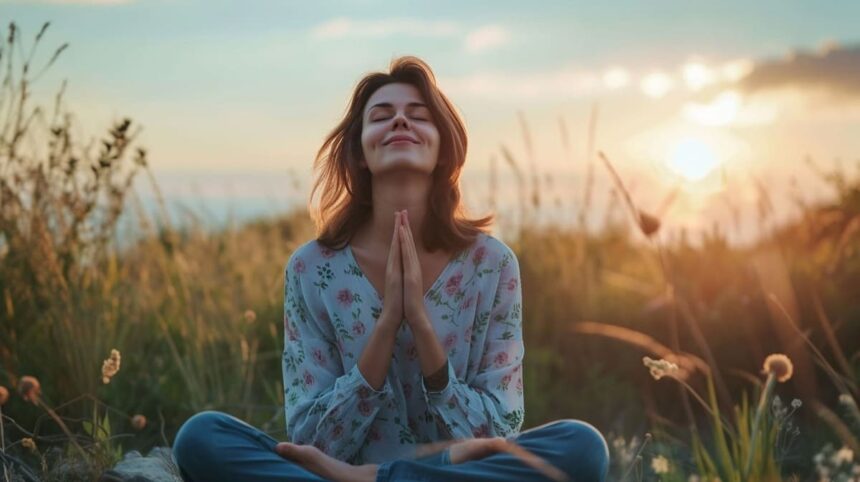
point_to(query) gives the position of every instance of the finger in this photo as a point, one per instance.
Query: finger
(284, 449)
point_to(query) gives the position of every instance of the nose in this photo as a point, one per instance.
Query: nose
(400, 119)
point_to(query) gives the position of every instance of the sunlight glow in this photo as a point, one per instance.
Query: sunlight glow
(657, 84)
(721, 111)
(697, 75)
(693, 159)
(616, 78)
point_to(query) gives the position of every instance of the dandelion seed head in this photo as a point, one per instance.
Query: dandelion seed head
(660, 368)
(110, 366)
(29, 388)
(779, 365)
(796, 403)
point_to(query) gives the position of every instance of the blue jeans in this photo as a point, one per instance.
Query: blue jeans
(214, 446)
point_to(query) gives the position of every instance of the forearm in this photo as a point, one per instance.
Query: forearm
(431, 355)
(376, 357)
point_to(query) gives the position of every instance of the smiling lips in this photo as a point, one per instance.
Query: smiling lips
(400, 138)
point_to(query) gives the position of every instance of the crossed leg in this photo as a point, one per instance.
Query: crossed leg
(213, 446)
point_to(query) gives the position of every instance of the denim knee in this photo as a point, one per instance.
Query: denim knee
(589, 452)
(194, 436)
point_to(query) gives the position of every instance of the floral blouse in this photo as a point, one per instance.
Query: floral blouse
(330, 310)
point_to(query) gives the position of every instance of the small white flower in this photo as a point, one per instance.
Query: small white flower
(796, 403)
(660, 465)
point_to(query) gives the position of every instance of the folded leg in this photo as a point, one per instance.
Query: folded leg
(214, 446)
(573, 446)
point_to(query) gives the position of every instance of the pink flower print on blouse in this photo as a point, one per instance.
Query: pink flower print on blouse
(373, 434)
(326, 252)
(450, 341)
(501, 358)
(299, 266)
(505, 381)
(467, 335)
(511, 284)
(481, 431)
(319, 356)
(363, 392)
(308, 378)
(467, 303)
(453, 284)
(292, 333)
(364, 408)
(479, 255)
(358, 328)
(337, 431)
(318, 443)
(324, 317)
(344, 296)
(519, 385)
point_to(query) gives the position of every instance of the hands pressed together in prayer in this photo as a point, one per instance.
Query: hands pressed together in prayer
(404, 291)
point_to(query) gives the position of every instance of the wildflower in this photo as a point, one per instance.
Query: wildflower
(660, 368)
(796, 403)
(138, 422)
(250, 316)
(29, 388)
(4, 395)
(28, 444)
(843, 456)
(660, 465)
(648, 224)
(779, 365)
(110, 366)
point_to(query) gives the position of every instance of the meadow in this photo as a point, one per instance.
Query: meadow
(107, 347)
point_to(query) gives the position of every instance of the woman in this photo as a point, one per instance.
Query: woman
(402, 322)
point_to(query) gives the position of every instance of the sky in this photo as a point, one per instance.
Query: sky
(711, 99)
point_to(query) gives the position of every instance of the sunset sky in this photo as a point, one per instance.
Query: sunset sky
(233, 96)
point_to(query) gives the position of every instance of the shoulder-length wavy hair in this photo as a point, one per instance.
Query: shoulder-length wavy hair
(346, 186)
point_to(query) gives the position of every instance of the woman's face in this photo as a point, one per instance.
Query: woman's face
(395, 111)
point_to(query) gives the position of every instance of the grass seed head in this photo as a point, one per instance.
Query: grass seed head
(28, 444)
(110, 367)
(660, 368)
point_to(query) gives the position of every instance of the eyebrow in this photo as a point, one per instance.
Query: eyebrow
(388, 104)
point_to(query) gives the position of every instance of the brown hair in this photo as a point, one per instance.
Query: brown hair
(346, 187)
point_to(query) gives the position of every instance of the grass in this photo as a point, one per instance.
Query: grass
(196, 314)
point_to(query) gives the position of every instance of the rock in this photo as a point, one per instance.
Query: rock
(157, 466)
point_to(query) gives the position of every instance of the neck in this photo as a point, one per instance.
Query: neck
(392, 192)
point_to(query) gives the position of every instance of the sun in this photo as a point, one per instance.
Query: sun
(692, 159)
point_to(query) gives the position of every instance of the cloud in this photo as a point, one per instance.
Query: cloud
(345, 27)
(485, 38)
(832, 68)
